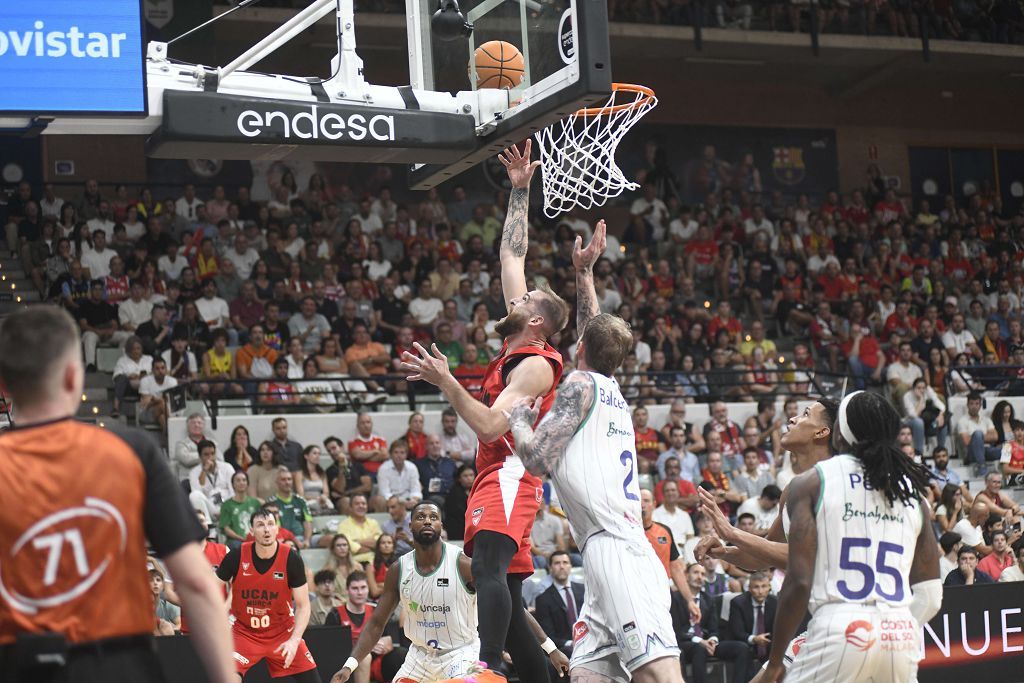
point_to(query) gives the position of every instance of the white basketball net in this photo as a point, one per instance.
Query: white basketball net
(578, 153)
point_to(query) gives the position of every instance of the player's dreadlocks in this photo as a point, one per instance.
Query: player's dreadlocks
(867, 427)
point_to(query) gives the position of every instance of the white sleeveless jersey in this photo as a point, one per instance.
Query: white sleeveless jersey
(596, 480)
(440, 610)
(865, 546)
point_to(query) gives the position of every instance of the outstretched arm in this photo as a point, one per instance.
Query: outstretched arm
(533, 377)
(515, 234)
(540, 449)
(584, 260)
(747, 550)
(796, 589)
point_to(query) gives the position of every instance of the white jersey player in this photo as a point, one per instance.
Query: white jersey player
(862, 557)
(434, 586)
(586, 443)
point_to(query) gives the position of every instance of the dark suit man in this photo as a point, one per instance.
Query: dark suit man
(697, 641)
(553, 611)
(751, 617)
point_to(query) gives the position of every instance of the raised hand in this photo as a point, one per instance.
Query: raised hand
(518, 165)
(584, 259)
(426, 367)
(709, 506)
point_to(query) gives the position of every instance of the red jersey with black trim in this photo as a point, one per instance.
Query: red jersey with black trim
(346, 620)
(214, 554)
(262, 603)
(492, 455)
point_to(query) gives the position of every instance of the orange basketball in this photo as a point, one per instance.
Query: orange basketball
(498, 65)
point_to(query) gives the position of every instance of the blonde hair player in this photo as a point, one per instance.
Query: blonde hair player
(587, 445)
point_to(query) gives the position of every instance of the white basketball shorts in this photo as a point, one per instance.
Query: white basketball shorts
(425, 665)
(625, 621)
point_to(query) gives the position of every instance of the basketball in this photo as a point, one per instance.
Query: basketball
(498, 65)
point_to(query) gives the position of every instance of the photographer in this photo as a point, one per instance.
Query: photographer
(926, 414)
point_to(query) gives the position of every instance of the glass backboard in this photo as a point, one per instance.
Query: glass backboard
(565, 51)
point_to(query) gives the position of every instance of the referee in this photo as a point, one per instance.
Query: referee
(79, 503)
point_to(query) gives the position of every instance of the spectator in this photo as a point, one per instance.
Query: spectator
(1016, 572)
(397, 478)
(751, 619)
(341, 562)
(688, 462)
(864, 356)
(970, 529)
(967, 572)
(649, 441)
(925, 414)
(426, 308)
(559, 606)
(278, 394)
(168, 615)
(311, 481)
(1000, 558)
(957, 339)
(763, 507)
(129, 370)
(732, 441)
(415, 437)
(902, 373)
(98, 321)
(998, 502)
(288, 452)
(213, 311)
(699, 640)
(356, 614)
(752, 479)
(365, 356)
(437, 471)
(210, 481)
(263, 473)
(97, 260)
(546, 537)
(977, 435)
(295, 515)
(218, 368)
(951, 507)
(693, 439)
(326, 600)
(720, 484)
(152, 409)
(308, 326)
(186, 451)
(671, 514)
(951, 544)
(360, 530)
(181, 362)
(687, 491)
(255, 360)
(941, 471)
(456, 502)
(454, 444)
(367, 448)
(246, 310)
(397, 525)
(1011, 459)
(236, 511)
(384, 555)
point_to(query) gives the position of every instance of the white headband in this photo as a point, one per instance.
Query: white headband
(844, 428)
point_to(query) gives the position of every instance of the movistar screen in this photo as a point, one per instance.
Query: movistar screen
(72, 56)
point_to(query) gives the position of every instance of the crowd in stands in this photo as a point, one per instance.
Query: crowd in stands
(305, 303)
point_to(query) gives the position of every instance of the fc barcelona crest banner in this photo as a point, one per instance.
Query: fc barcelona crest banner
(694, 161)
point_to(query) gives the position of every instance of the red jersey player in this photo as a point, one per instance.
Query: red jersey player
(505, 497)
(266, 578)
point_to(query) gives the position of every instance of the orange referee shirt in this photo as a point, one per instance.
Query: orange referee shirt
(80, 502)
(660, 538)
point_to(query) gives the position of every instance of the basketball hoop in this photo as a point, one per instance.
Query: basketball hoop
(578, 153)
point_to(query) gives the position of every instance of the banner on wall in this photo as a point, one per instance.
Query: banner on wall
(694, 161)
(978, 635)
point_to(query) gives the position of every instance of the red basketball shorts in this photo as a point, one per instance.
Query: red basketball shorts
(505, 500)
(249, 651)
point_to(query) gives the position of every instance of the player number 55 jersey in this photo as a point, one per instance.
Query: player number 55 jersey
(865, 545)
(596, 480)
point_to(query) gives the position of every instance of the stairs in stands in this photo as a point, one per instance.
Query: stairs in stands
(16, 286)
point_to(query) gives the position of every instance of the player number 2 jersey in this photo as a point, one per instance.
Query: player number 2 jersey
(596, 480)
(865, 546)
(440, 610)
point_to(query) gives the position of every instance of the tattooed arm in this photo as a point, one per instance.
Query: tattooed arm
(583, 260)
(515, 234)
(540, 449)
